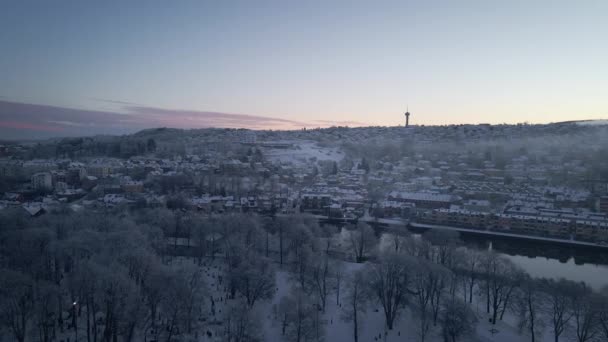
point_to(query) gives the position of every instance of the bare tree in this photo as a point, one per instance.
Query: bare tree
(559, 294)
(442, 279)
(255, 279)
(114, 290)
(133, 315)
(202, 230)
(300, 263)
(603, 311)
(101, 265)
(163, 219)
(389, 280)
(398, 241)
(242, 238)
(154, 293)
(319, 277)
(16, 302)
(422, 284)
(280, 225)
(500, 280)
(241, 324)
(427, 284)
(416, 247)
(529, 301)
(269, 226)
(471, 268)
(194, 291)
(362, 240)
(585, 313)
(300, 239)
(175, 305)
(325, 235)
(84, 281)
(295, 231)
(357, 297)
(457, 320)
(283, 311)
(45, 297)
(212, 233)
(444, 244)
(305, 323)
(339, 275)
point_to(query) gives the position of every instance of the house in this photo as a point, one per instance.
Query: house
(133, 186)
(42, 181)
(315, 203)
(423, 199)
(33, 209)
(603, 204)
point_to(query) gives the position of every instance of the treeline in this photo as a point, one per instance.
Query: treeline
(107, 146)
(112, 275)
(436, 277)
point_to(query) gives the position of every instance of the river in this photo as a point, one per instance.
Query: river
(546, 259)
(542, 259)
(549, 260)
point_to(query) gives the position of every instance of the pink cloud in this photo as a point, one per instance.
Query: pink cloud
(197, 119)
(30, 126)
(77, 122)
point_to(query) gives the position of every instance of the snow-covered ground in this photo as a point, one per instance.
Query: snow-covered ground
(373, 321)
(372, 327)
(302, 152)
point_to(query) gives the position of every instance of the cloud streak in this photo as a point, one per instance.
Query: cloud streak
(126, 103)
(341, 123)
(29, 126)
(196, 119)
(18, 120)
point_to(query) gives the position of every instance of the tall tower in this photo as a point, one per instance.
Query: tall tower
(407, 117)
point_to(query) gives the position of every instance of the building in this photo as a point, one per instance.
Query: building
(133, 186)
(315, 203)
(581, 229)
(10, 168)
(393, 209)
(603, 204)
(75, 174)
(61, 186)
(423, 199)
(32, 167)
(98, 170)
(249, 137)
(42, 181)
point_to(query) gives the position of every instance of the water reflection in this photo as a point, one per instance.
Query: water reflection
(595, 276)
(545, 259)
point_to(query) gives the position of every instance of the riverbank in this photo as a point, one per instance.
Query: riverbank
(406, 223)
(509, 235)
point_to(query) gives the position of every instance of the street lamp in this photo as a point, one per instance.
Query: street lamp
(74, 320)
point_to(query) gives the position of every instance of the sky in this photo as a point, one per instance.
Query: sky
(87, 67)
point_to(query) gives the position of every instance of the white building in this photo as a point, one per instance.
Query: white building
(42, 181)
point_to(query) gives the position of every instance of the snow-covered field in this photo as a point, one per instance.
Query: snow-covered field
(372, 327)
(302, 152)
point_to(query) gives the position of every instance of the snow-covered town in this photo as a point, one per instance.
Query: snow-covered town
(489, 182)
(303, 171)
(308, 235)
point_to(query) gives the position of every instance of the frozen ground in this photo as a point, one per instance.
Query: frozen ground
(372, 322)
